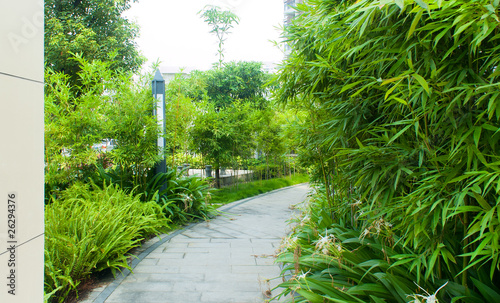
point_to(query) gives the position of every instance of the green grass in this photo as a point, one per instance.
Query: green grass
(244, 190)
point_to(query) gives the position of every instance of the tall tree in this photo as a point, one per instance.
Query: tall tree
(75, 123)
(221, 134)
(95, 29)
(221, 22)
(237, 81)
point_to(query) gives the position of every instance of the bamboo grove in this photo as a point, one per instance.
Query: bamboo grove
(403, 119)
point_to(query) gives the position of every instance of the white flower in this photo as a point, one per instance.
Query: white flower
(339, 247)
(429, 298)
(324, 243)
(365, 233)
(303, 275)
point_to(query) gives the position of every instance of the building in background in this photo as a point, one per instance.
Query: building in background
(290, 14)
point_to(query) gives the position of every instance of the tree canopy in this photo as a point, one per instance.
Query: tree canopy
(94, 29)
(236, 81)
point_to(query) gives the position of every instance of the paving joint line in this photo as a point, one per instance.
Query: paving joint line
(110, 288)
(104, 295)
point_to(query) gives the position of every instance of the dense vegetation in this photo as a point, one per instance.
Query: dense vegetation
(218, 117)
(102, 200)
(401, 116)
(94, 29)
(223, 116)
(102, 193)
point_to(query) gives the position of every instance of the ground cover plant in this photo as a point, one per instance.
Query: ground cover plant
(249, 189)
(182, 198)
(90, 229)
(402, 108)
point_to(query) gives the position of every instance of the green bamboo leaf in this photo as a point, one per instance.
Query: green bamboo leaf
(422, 82)
(359, 143)
(463, 27)
(490, 8)
(479, 155)
(399, 134)
(489, 294)
(477, 135)
(414, 23)
(490, 127)
(389, 91)
(434, 256)
(479, 250)
(349, 86)
(460, 178)
(485, 205)
(441, 35)
(399, 100)
(385, 82)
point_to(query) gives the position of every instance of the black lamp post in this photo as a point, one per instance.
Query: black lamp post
(158, 86)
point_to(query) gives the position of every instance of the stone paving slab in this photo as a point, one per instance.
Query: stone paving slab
(227, 259)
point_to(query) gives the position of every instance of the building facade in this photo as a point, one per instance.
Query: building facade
(290, 14)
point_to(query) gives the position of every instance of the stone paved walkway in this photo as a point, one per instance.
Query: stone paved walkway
(228, 259)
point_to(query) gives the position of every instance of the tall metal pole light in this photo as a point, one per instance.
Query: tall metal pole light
(158, 87)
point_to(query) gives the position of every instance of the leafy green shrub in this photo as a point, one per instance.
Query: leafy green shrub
(182, 198)
(194, 161)
(329, 256)
(89, 229)
(403, 117)
(109, 105)
(249, 189)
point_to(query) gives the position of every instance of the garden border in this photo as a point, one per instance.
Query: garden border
(110, 288)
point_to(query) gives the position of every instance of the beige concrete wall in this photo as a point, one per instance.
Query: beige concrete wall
(21, 151)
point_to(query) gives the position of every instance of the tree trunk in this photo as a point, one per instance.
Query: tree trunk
(217, 176)
(267, 167)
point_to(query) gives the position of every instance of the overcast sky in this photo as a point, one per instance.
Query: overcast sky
(173, 32)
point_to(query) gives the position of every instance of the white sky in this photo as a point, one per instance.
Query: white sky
(173, 32)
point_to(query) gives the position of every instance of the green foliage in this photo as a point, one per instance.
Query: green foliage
(182, 198)
(179, 112)
(90, 229)
(228, 104)
(221, 22)
(92, 28)
(245, 190)
(110, 106)
(181, 158)
(269, 139)
(402, 99)
(223, 134)
(234, 81)
(329, 256)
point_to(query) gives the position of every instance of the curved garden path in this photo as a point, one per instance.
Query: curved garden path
(227, 259)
